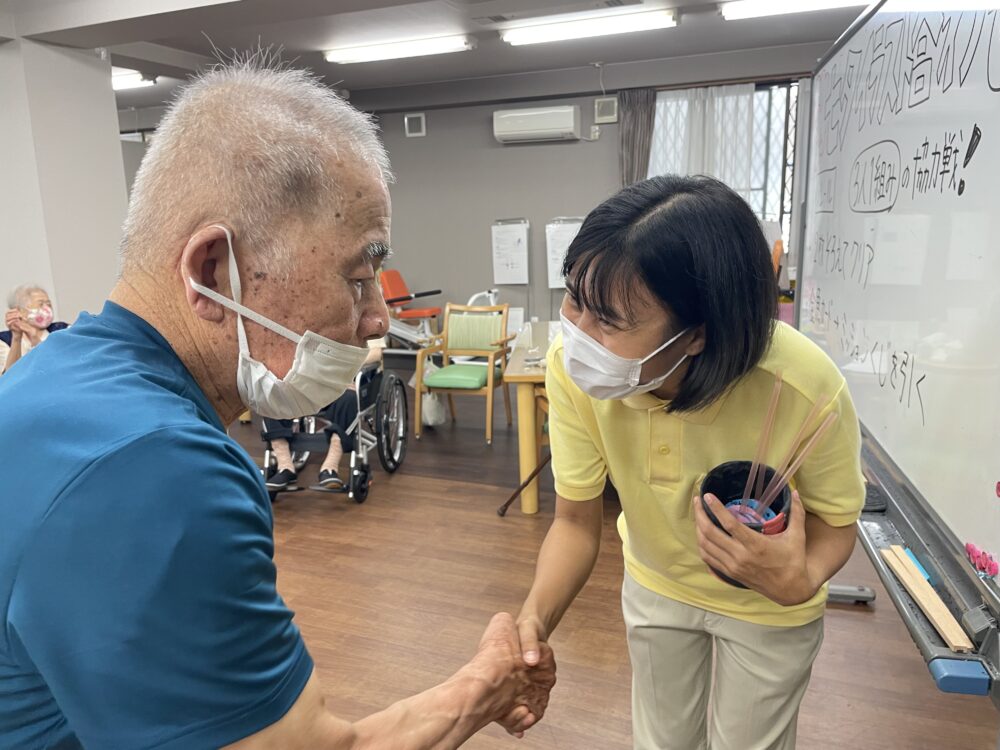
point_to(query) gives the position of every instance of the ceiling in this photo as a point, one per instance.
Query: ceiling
(174, 43)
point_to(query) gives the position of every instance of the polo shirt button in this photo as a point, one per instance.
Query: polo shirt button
(664, 450)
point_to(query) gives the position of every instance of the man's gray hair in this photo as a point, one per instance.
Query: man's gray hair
(20, 295)
(251, 142)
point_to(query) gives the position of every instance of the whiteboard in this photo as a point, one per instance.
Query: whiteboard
(510, 251)
(559, 233)
(900, 277)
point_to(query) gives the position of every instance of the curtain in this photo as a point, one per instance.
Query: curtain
(635, 132)
(705, 131)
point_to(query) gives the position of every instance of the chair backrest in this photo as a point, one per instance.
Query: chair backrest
(393, 285)
(470, 329)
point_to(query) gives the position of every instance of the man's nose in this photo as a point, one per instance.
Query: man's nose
(376, 318)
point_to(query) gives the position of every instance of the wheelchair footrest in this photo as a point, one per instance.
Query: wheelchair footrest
(342, 490)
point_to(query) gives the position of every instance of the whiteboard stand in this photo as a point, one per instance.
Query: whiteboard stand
(897, 283)
(909, 521)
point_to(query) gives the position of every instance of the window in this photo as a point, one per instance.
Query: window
(741, 134)
(773, 154)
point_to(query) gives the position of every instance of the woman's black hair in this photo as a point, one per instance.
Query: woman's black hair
(699, 249)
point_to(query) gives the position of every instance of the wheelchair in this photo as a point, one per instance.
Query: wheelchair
(382, 423)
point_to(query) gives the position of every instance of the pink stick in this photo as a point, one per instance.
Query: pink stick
(765, 436)
(796, 443)
(790, 472)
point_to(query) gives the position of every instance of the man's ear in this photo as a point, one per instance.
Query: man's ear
(697, 344)
(205, 259)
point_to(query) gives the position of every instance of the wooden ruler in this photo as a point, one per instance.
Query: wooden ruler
(927, 598)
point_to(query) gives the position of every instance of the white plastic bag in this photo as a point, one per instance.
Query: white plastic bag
(432, 412)
(432, 409)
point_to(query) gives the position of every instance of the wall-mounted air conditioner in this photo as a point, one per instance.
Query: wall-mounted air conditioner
(560, 123)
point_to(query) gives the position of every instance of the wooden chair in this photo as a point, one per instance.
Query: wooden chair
(469, 331)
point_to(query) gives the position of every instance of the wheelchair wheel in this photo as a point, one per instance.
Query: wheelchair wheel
(391, 422)
(359, 483)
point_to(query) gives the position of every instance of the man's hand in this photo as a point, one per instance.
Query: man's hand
(15, 323)
(517, 695)
(774, 566)
(536, 653)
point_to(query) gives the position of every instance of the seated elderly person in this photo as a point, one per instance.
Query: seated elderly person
(339, 415)
(139, 605)
(29, 322)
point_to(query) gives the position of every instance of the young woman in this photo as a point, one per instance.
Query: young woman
(665, 369)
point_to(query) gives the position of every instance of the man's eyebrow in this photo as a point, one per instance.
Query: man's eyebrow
(377, 250)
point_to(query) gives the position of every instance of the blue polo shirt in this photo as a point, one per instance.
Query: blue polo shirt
(138, 606)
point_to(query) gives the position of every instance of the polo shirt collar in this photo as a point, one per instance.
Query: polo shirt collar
(649, 402)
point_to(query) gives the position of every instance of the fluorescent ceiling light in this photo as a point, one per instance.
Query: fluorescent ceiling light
(929, 6)
(123, 78)
(621, 23)
(395, 50)
(756, 8)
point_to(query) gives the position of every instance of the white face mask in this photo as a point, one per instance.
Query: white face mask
(603, 374)
(321, 371)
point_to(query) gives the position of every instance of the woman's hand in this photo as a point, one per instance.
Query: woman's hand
(774, 566)
(531, 633)
(15, 323)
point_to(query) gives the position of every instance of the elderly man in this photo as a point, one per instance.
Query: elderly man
(139, 610)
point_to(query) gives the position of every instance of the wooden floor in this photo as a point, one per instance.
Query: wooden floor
(392, 597)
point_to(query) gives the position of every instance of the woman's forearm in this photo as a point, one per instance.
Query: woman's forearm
(565, 562)
(828, 548)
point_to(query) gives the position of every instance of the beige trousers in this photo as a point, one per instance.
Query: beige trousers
(760, 676)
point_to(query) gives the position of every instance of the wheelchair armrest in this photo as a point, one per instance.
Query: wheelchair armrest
(399, 300)
(411, 297)
(428, 293)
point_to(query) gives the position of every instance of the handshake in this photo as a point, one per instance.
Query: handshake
(511, 674)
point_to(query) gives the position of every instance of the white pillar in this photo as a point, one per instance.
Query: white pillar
(62, 182)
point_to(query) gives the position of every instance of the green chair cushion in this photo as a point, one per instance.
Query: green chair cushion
(464, 377)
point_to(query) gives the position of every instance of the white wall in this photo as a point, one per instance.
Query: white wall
(23, 247)
(454, 182)
(132, 153)
(65, 199)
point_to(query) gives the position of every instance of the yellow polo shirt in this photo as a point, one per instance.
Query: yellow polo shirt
(657, 461)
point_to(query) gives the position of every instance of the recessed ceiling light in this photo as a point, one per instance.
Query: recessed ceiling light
(396, 50)
(621, 23)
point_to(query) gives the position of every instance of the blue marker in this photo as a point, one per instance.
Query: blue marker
(916, 562)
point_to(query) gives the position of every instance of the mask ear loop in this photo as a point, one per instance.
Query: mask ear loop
(234, 284)
(637, 375)
(236, 305)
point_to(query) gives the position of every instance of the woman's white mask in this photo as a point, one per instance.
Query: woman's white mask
(321, 371)
(602, 373)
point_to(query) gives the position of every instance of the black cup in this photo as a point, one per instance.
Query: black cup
(727, 482)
